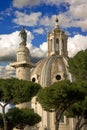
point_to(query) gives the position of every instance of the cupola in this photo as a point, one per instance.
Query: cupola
(57, 41)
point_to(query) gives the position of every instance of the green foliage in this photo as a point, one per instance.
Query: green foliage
(22, 117)
(78, 68)
(78, 65)
(6, 88)
(1, 121)
(79, 109)
(60, 94)
(17, 91)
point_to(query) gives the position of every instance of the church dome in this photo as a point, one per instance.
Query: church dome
(49, 70)
(54, 67)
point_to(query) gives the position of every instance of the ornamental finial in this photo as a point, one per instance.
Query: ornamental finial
(56, 23)
(57, 20)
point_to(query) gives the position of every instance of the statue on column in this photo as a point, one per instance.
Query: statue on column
(23, 34)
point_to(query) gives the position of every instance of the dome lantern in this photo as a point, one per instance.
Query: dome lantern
(57, 41)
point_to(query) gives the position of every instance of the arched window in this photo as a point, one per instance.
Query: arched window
(57, 45)
(63, 45)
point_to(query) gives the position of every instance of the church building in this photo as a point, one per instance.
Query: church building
(51, 69)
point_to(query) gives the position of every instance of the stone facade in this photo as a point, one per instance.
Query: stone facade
(23, 64)
(47, 71)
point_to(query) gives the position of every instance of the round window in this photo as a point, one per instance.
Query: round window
(33, 79)
(58, 77)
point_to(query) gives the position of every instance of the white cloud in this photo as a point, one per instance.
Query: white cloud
(78, 12)
(30, 3)
(82, 24)
(9, 47)
(38, 52)
(66, 20)
(23, 3)
(9, 44)
(39, 31)
(54, 2)
(7, 72)
(75, 16)
(76, 44)
(44, 47)
(27, 19)
(46, 21)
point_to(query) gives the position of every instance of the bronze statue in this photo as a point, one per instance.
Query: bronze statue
(23, 34)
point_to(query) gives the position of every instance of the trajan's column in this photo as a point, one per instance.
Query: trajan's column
(23, 64)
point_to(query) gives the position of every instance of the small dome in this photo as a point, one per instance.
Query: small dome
(49, 70)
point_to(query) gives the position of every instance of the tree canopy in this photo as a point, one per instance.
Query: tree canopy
(59, 96)
(16, 91)
(19, 118)
(79, 112)
(78, 65)
(78, 68)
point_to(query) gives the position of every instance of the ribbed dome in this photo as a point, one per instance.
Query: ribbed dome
(49, 70)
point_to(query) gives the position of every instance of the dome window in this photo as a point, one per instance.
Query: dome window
(58, 77)
(57, 45)
(33, 79)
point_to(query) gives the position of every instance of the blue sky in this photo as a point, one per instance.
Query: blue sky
(10, 12)
(38, 17)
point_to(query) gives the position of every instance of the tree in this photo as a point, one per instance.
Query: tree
(1, 121)
(79, 110)
(78, 65)
(19, 118)
(78, 68)
(60, 96)
(16, 91)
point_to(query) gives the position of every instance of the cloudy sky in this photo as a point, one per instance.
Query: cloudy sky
(38, 17)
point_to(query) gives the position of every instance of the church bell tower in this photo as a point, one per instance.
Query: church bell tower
(23, 64)
(57, 41)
